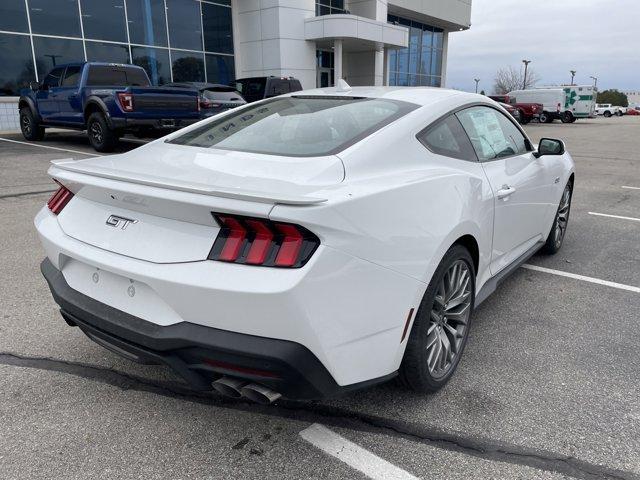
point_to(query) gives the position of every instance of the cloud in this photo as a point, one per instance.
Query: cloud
(593, 37)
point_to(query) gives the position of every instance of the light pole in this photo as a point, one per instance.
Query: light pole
(573, 74)
(526, 66)
(477, 80)
(595, 82)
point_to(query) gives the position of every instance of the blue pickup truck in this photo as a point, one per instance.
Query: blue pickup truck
(107, 100)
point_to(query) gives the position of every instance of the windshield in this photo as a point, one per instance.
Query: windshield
(297, 126)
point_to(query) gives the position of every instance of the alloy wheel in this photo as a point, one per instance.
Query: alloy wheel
(449, 319)
(26, 124)
(562, 217)
(96, 132)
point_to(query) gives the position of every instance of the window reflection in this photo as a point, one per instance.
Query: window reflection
(220, 69)
(185, 28)
(55, 17)
(147, 23)
(155, 61)
(107, 52)
(13, 16)
(104, 20)
(17, 66)
(56, 51)
(187, 66)
(216, 21)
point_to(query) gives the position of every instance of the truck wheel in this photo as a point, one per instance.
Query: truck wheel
(619, 113)
(607, 114)
(102, 138)
(567, 117)
(545, 118)
(31, 130)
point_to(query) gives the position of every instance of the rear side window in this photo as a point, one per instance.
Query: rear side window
(297, 126)
(252, 89)
(278, 87)
(447, 137)
(71, 76)
(108, 76)
(53, 79)
(491, 133)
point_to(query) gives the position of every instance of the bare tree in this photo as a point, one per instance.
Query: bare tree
(509, 79)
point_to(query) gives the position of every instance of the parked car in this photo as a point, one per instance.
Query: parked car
(258, 88)
(608, 110)
(526, 111)
(214, 97)
(276, 251)
(633, 111)
(513, 111)
(106, 99)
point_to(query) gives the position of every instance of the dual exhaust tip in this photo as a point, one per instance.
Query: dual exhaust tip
(237, 388)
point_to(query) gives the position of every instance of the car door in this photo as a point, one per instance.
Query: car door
(67, 96)
(47, 104)
(519, 182)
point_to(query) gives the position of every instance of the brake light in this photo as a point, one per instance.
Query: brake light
(59, 199)
(259, 241)
(126, 101)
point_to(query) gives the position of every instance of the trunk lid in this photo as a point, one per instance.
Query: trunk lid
(155, 203)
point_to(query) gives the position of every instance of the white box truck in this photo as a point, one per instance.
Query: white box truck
(564, 103)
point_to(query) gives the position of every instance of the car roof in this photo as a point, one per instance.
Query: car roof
(417, 95)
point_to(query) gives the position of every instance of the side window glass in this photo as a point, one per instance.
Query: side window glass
(447, 137)
(71, 77)
(492, 134)
(53, 79)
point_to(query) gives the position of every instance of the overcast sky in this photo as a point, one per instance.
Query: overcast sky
(593, 37)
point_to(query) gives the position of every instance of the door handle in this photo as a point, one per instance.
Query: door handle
(505, 191)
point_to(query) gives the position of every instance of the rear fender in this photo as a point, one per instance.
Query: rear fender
(31, 104)
(96, 104)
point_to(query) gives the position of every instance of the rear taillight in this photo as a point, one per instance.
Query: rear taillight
(59, 200)
(126, 101)
(259, 241)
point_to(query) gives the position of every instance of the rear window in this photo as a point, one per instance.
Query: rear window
(107, 76)
(221, 94)
(297, 126)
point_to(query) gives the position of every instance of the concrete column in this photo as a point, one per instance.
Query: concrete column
(337, 61)
(387, 62)
(378, 70)
(445, 54)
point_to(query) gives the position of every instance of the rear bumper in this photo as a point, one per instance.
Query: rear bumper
(197, 353)
(152, 123)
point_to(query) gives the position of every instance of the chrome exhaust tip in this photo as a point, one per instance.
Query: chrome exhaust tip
(260, 394)
(228, 386)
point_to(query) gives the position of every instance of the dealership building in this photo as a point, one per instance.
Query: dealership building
(366, 42)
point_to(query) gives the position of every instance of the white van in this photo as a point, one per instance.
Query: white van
(552, 100)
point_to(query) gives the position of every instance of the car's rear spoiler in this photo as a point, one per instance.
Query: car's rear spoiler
(59, 168)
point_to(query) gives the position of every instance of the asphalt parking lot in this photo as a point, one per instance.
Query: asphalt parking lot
(548, 388)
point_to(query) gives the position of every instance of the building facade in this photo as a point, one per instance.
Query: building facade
(366, 42)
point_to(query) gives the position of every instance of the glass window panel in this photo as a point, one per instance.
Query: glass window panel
(393, 60)
(53, 78)
(403, 60)
(155, 61)
(107, 52)
(71, 76)
(448, 138)
(436, 62)
(413, 63)
(425, 62)
(187, 66)
(403, 79)
(393, 78)
(104, 20)
(17, 63)
(427, 36)
(338, 4)
(414, 36)
(413, 80)
(55, 17)
(185, 28)
(216, 21)
(438, 38)
(392, 18)
(220, 69)
(424, 81)
(56, 51)
(147, 24)
(13, 16)
(436, 81)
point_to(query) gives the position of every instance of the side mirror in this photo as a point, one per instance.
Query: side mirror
(35, 86)
(549, 146)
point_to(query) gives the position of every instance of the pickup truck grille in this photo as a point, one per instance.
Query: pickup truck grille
(165, 103)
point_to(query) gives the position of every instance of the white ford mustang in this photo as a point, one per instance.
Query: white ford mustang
(306, 245)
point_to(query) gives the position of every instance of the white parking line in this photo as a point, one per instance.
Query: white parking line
(614, 216)
(575, 276)
(356, 457)
(631, 188)
(50, 147)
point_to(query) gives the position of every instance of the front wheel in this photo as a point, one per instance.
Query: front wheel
(560, 222)
(545, 118)
(619, 113)
(441, 327)
(567, 117)
(29, 126)
(607, 114)
(102, 138)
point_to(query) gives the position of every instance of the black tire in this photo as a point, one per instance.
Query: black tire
(102, 138)
(619, 113)
(545, 118)
(607, 114)
(573, 119)
(560, 222)
(415, 372)
(31, 129)
(567, 117)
